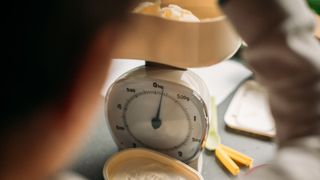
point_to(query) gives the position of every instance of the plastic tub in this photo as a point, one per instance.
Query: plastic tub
(143, 163)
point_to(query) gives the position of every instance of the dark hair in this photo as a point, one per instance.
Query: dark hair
(43, 42)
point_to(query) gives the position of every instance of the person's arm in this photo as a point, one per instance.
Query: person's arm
(285, 57)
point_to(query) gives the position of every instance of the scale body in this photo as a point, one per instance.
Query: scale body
(160, 108)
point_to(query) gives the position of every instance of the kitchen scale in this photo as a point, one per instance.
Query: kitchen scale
(162, 108)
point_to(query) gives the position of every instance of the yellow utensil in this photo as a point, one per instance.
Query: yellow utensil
(237, 156)
(223, 157)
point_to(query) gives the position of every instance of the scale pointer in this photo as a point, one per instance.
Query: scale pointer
(156, 121)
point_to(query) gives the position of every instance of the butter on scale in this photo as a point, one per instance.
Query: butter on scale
(225, 155)
(173, 12)
(177, 13)
(148, 8)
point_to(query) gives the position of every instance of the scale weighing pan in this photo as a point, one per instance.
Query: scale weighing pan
(177, 43)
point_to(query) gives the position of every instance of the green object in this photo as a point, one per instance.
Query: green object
(315, 5)
(213, 139)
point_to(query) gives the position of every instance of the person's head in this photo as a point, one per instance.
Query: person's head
(54, 60)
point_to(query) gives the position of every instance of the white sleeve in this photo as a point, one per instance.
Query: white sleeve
(285, 57)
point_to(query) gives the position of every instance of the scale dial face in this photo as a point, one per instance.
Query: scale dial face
(157, 114)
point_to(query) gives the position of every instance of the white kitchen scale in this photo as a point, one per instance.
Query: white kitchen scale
(162, 108)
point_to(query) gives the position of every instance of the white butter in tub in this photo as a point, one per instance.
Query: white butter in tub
(145, 169)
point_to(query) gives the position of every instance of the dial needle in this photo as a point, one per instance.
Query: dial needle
(156, 121)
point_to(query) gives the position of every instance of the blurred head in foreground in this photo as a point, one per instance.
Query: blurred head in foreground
(54, 61)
